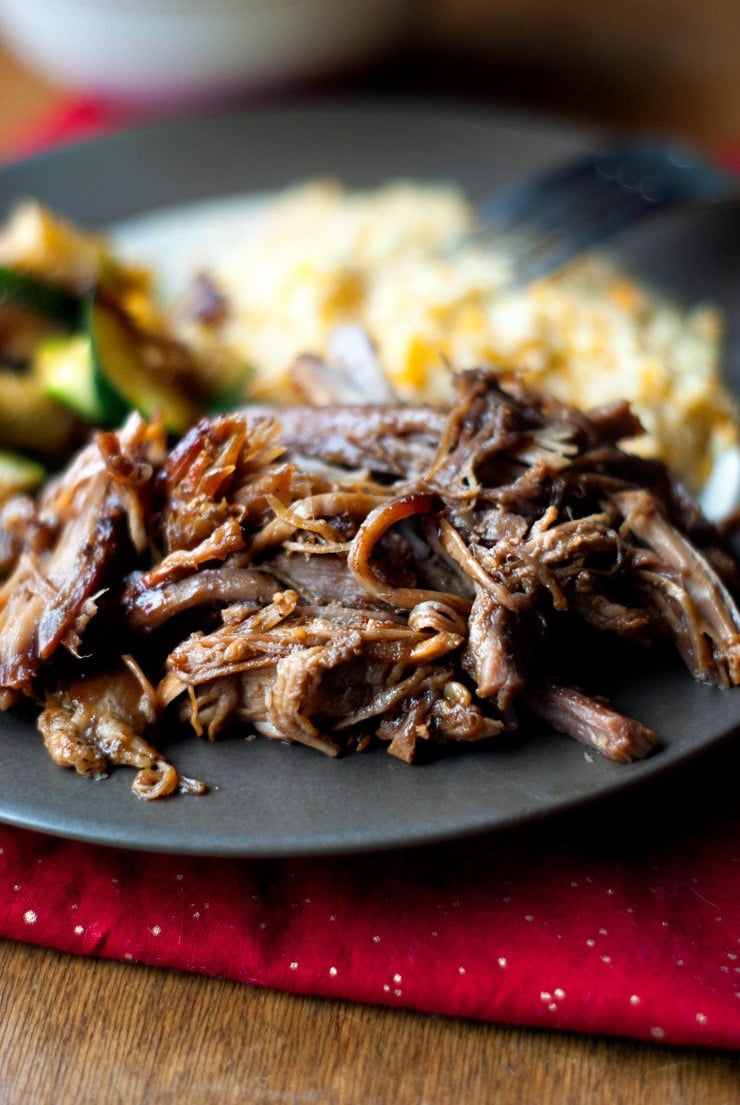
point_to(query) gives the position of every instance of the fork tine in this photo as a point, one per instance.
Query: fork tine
(566, 209)
(547, 254)
(546, 221)
(589, 212)
(521, 200)
(553, 237)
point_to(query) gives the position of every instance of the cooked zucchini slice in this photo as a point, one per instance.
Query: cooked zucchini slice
(124, 379)
(18, 474)
(102, 373)
(63, 365)
(19, 289)
(30, 420)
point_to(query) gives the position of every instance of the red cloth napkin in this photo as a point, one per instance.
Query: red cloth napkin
(621, 920)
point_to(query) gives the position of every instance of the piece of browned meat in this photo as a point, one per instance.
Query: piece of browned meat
(98, 721)
(591, 722)
(85, 533)
(350, 575)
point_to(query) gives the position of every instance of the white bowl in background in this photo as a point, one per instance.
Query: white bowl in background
(189, 51)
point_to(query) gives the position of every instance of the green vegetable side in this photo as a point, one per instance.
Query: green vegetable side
(21, 290)
(101, 374)
(83, 343)
(18, 474)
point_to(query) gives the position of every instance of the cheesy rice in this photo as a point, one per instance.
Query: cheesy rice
(320, 256)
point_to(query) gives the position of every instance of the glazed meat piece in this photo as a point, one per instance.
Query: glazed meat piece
(321, 668)
(679, 582)
(387, 440)
(591, 722)
(148, 607)
(93, 723)
(346, 576)
(92, 521)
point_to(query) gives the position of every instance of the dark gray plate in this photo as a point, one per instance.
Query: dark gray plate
(271, 799)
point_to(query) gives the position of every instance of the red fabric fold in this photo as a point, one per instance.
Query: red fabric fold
(623, 920)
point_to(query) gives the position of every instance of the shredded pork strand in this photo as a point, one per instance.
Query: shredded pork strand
(349, 575)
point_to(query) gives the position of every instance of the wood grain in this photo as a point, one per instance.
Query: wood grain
(80, 1032)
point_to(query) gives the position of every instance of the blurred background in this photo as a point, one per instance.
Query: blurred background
(653, 65)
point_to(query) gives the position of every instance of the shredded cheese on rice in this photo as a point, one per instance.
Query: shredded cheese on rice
(320, 256)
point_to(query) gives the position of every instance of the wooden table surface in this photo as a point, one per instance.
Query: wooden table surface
(75, 1031)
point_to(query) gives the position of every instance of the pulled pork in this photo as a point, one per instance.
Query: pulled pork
(339, 576)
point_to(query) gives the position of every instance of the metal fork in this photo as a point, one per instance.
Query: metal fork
(545, 222)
